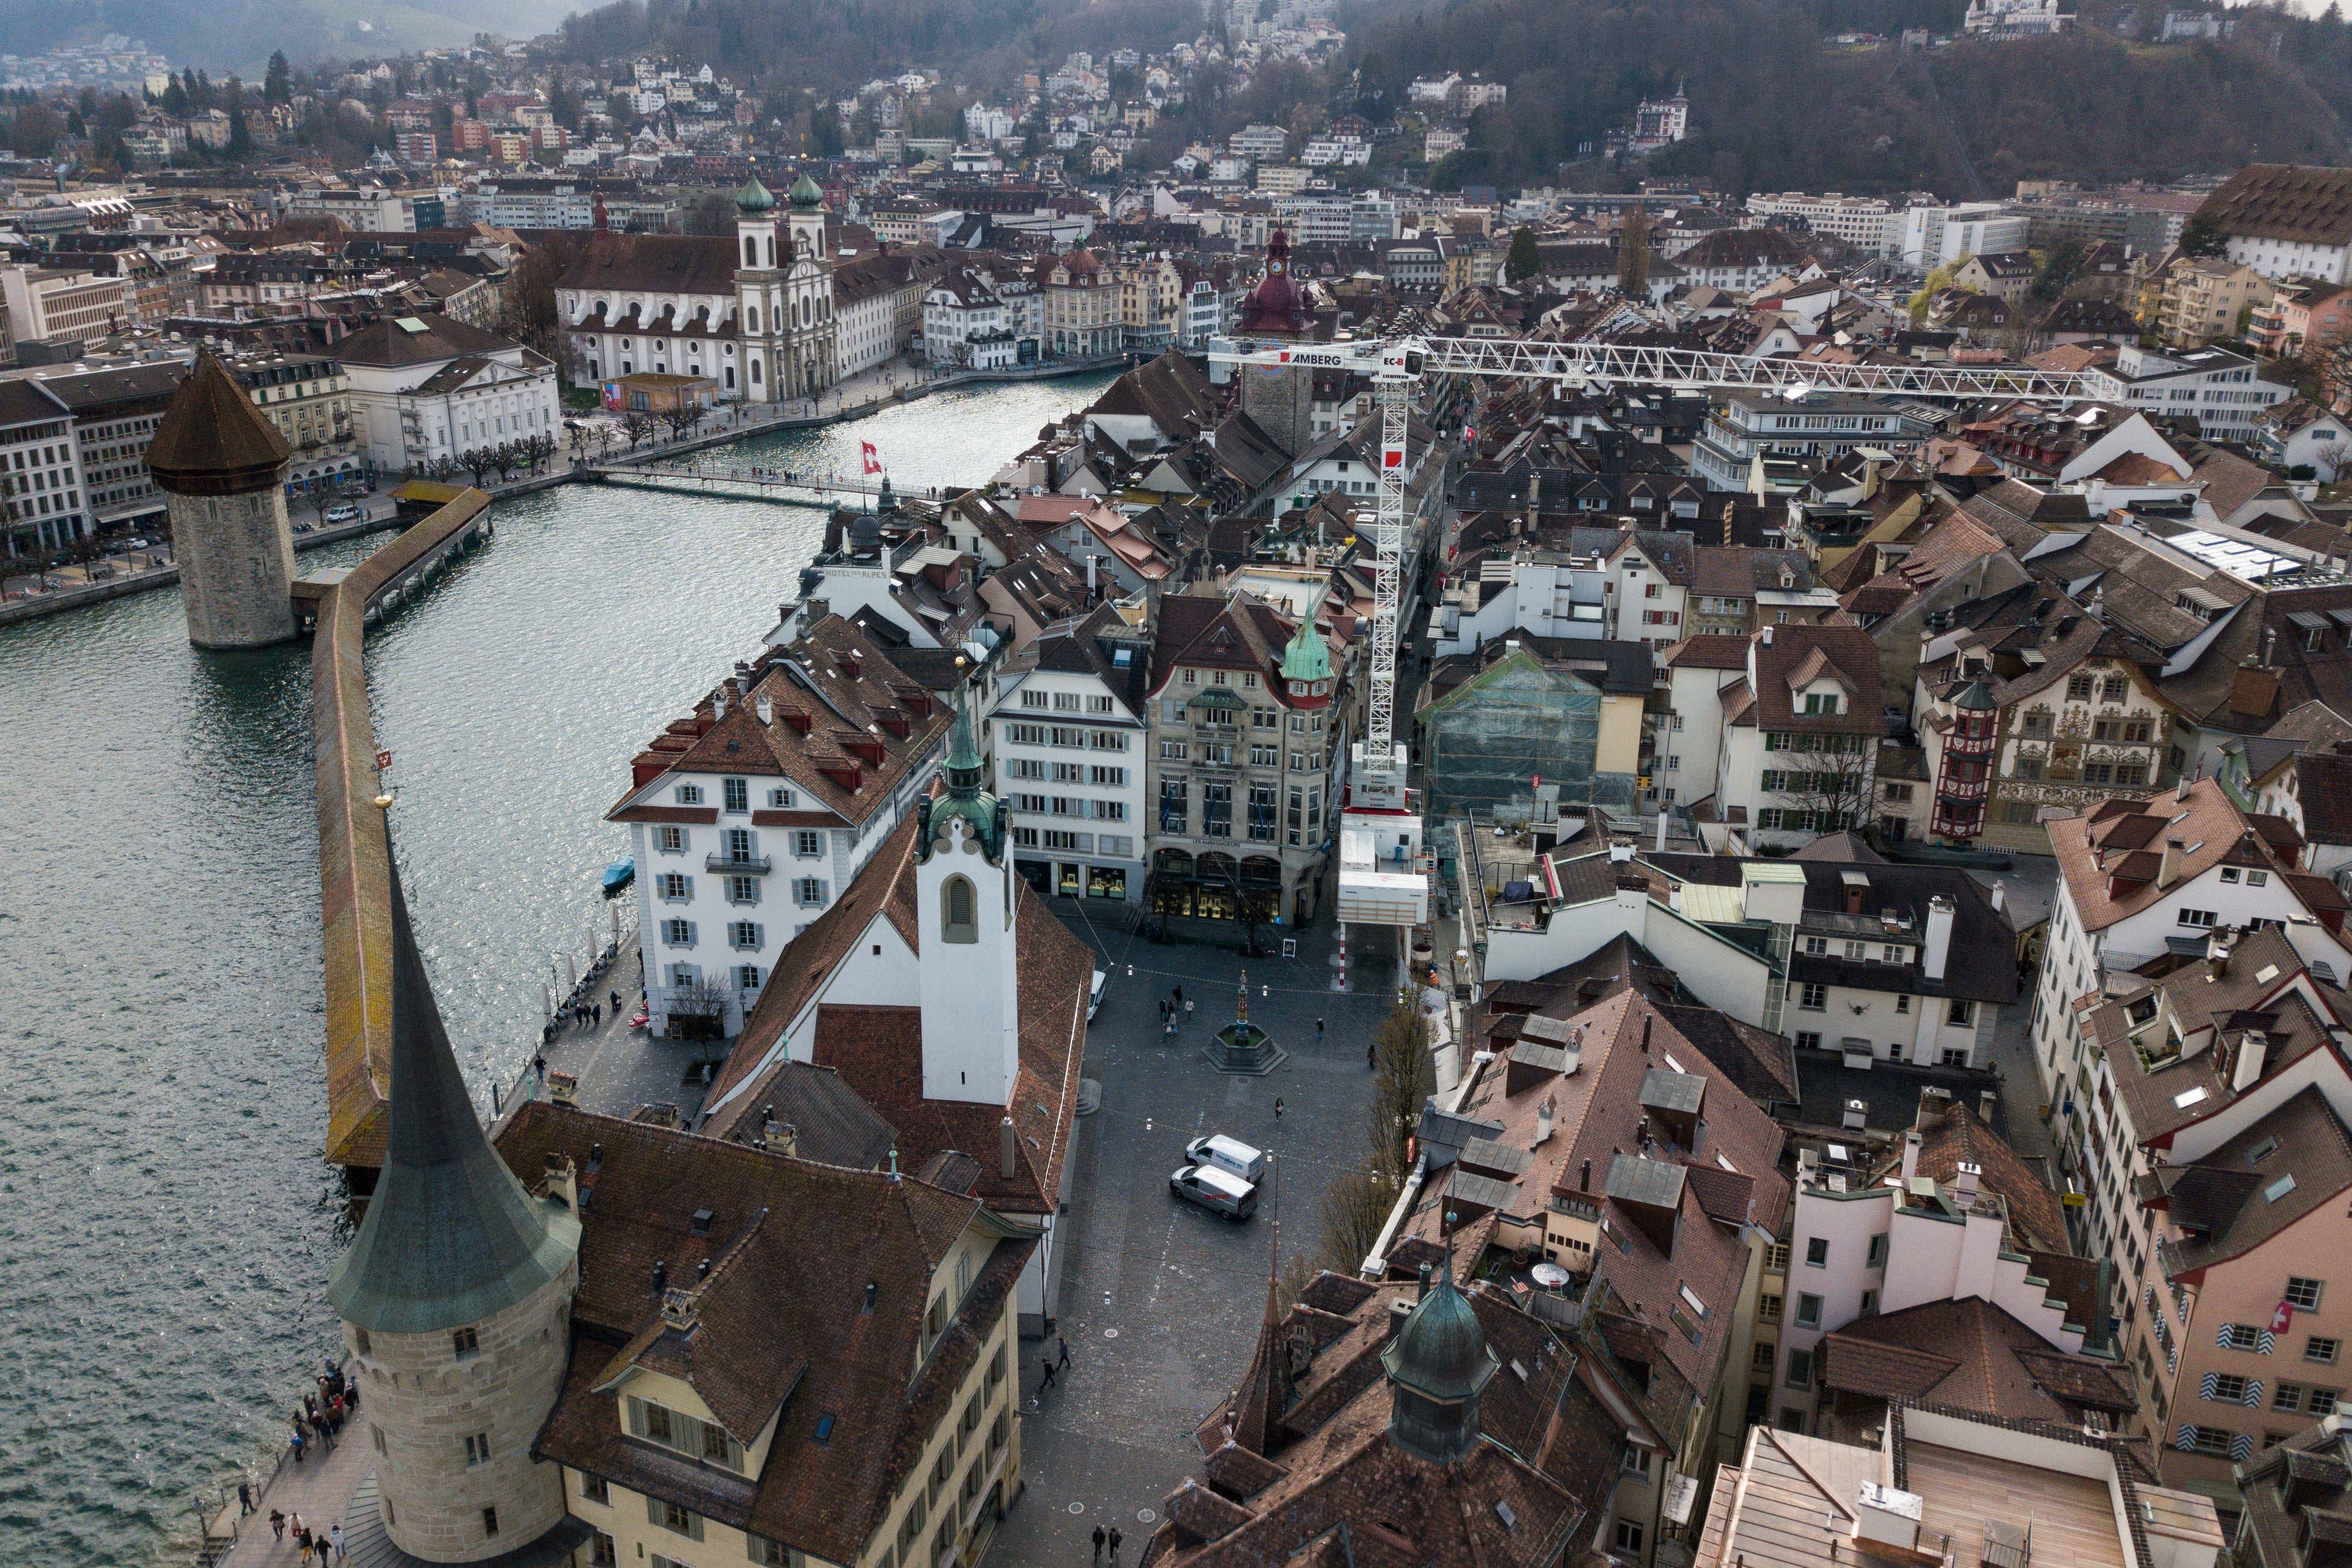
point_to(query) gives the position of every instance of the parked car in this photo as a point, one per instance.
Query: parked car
(1217, 1190)
(140, 543)
(301, 527)
(344, 512)
(1229, 1155)
(1094, 995)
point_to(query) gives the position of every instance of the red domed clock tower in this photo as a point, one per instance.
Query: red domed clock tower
(1280, 309)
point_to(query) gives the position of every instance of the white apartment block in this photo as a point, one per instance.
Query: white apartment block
(2225, 390)
(1067, 733)
(750, 818)
(1869, 223)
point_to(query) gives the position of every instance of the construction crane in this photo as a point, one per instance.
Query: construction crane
(1378, 825)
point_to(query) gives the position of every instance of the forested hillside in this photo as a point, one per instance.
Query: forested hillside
(827, 45)
(1775, 106)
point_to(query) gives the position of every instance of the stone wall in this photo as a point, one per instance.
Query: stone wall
(237, 566)
(423, 1400)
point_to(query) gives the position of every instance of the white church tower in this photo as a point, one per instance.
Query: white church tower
(760, 328)
(969, 978)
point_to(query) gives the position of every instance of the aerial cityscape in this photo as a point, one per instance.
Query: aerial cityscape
(1165, 785)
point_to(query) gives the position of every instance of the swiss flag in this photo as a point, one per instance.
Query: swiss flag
(873, 458)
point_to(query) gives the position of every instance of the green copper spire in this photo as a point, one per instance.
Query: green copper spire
(806, 195)
(754, 199)
(986, 818)
(1308, 657)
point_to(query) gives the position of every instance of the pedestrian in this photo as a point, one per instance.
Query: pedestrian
(1114, 1546)
(335, 1535)
(294, 1522)
(616, 1004)
(1065, 1350)
(1179, 994)
(244, 1500)
(1188, 1012)
(1049, 1379)
(277, 1524)
(1099, 1545)
(302, 1540)
(352, 1394)
(309, 1401)
(539, 1065)
(600, 1015)
(1168, 1031)
(1318, 1031)
(1278, 1110)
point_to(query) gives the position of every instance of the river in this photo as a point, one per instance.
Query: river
(166, 1223)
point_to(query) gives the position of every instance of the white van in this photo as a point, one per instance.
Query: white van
(1095, 994)
(1228, 1153)
(1219, 1191)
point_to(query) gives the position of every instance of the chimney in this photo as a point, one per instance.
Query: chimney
(1999, 894)
(814, 611)
(2167, 871)
(1421, 1288)
(661, 1277)
(1544, 1114)
(1932, 1103)
(1938, 952)
(1966, 1186)
(1985, 1098)
(1911, 1142)
(767, 709)
(2217, 953)
(2253, 1048)
(562, 1179)
(1765, 636)
(1008, 1151)
(1092, 564)
(1856, 1117)
(778, 1137)
(2181, 790)
(1645, 1035)
(1584, 1178)
(1401, 1308)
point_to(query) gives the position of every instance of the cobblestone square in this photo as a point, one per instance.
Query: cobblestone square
(1161, 1299)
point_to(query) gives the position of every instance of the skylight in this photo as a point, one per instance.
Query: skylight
(2279, 1188)
(2189, 1097)
(2261, 1151)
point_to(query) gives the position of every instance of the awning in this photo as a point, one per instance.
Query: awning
(1220, 698)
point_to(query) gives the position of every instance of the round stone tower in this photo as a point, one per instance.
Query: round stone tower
(221, 467)
(455, 1299)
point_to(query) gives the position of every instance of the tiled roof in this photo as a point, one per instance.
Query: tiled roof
(781, 1321)
(2036, 1221)
(1803, 653)
(1973, 1354)
(844, 726)
(2110, 857)
(2299, 203)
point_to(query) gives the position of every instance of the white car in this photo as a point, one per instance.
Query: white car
(344, 512)
(1095, 996)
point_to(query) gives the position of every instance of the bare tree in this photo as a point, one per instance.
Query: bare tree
(1831, 789)
(476, 461)
(698, 1012)
(637, 425)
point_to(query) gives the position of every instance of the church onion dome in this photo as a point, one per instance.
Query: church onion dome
(985, 818)
(754, 199)
(1441, 1353)
(806, 195)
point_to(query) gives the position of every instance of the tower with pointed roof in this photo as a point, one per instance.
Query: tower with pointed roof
(966, 907)
(755, 226)
(455, 1300)
(220, 465)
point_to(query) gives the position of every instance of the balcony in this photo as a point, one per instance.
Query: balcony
(1955, 787)
(740, 865)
